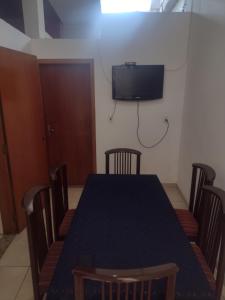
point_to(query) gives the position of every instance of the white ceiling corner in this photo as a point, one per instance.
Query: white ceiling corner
(76, 11)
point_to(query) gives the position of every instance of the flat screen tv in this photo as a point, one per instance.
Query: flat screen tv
(137, 82)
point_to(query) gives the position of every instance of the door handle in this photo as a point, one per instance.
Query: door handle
(51, 130)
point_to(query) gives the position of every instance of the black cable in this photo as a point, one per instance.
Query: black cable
(114, 110)
(138, 126)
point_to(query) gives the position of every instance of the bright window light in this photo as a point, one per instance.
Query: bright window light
(123, 6)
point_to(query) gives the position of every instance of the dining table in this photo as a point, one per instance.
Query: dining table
(127, 222)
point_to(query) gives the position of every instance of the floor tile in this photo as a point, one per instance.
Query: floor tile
(11, 280)
(74, 196)
(173, 193)
(17, 254)
(5, 241)
(179, 205)
(175, 196)
(26, 290)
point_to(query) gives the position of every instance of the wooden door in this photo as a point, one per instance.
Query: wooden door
(23, 116)
(67, 89)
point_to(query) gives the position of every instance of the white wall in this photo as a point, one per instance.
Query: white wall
(203, 138)
(183, 5)
(34, 20)
(79, 30)
(146, 39)
(12, 38)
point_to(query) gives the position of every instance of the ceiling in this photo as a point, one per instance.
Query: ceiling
(76, 11)
(85, 11)
(12, 12)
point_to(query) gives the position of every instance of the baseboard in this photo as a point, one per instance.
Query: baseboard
(175, 185)
(170, 184)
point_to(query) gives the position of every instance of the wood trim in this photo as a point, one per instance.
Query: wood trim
(93, 122)
(64, 61)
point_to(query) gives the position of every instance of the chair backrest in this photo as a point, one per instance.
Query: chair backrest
(124, 161)
(37, 206)
(201, 175)
(212, 233)
(136, 283)
(59, 187)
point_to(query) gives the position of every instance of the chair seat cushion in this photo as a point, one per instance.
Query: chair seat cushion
(49, 266)
(204, 265)
(188, 222)
(65, 225)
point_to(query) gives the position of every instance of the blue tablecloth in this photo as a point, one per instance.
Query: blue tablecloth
(127, 221)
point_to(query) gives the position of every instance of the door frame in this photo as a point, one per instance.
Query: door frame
(89, 62)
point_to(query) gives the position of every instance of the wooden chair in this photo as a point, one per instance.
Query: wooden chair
(210, 249)
(126, 282)
(62, 215)
(44, 252)
(191, 219)
(123, 160)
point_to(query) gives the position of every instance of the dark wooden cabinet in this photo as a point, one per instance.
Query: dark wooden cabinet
(66, 113)
(23, 155)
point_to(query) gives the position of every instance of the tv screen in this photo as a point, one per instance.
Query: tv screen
(137, 82)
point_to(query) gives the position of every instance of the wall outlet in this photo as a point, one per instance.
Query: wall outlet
(166, 119)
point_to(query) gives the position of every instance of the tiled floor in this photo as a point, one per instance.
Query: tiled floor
(15, 275)
(5, 241)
